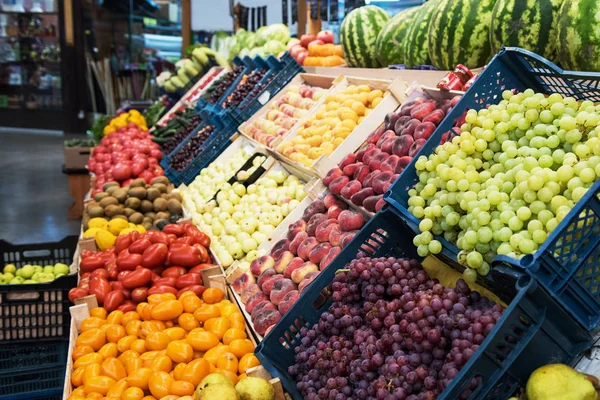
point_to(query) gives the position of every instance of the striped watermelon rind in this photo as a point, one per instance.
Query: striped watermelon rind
(415, 48)
(530, 24)
(358, 34)
(459, 33)
(579, 35)
(389, 41)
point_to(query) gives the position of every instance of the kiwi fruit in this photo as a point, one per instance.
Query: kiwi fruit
(100, 196)
(139, 182)
(107, 201)
(133, 202)
(120, 195)
(174, 206)
(92, 204)
(147, 225)
(160, 223)
(147, 220)
(121, 216)
(153, 193)
(136, 218)
(175, 195)
(138, 192)
(129, 211)
(160, 204)
(84, 221)
(112, 210)
(160, 179)
(110, 184)
(162, 215)
(111, 189)
(95, 212)
(151, 215)
(146, 206)
(160, 186)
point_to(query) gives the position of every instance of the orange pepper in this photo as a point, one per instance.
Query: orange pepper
(160, 325)
(114, 333)
(206, 312)
(95, 338)
(190, 303)
(202, 341)
(247, 361)
(228, 361)
(181, 388)
(78, 392)
(113, 368)
(98, 384)
(180, 351)
(130, 316)
(91, 323)
(133, 327)
(140, 378)
(167, 310)
(77, 376)
(115, 317)
(94, 396)
(239, 347)
(88, 359)
(117, 389)
(127, 355)
(212, 295)
(109, 350)
(133, 364)
(157, 341)
(79, 351)
(159, 384)
(99, 312)
(146, 328)
(230, 375)
(218, 326)
(133, 393)
(149, 398)
(228, 309)
(178, 371)
(212, 355)
(187, 321)
(147, 357)
(195, 371)
(241, 376)
(175, 333)
(161, 363)
(160, 298)
(138, 345)
(146, 312)
(139, 307)
(124, 343)
(237, 321)
(233, 333)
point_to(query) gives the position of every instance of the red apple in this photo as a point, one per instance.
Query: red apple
(297, 49)
(292, 43)
(325, 36)
(306, 39)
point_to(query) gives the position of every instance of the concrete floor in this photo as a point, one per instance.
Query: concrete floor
(34, 194)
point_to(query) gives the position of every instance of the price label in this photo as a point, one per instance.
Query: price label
(264, 97)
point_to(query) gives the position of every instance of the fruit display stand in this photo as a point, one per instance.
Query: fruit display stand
(317, 81)
(394, 96)
(423, 77)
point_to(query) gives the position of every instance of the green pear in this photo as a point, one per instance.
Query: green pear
(29, 281)
(38, 268)
(3, 280)
(215, 379)
(46, 277)
(61, 269)
(36, 276)
(27, 271)
(17, 280)
(221, 391)
(251, 388)
(8, 276)
(559, 381)
(49, 269)
(10, 268)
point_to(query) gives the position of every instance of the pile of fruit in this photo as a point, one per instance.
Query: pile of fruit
(124, 156)
(510, 177)
(129, 119)
(392, 332)
(285, 113)
(215, 177)
(105, 232)
(248, 388)
(162, 347)
(341, 113)
(156, 110)
(11, 275)
(194, 146)
(188, 70)
(176, 129)
(218, 88)
(242, 218)
(316, 50)
(149, 205)
(273, 283)
(140, 265)
(246, 86)
(364, 177)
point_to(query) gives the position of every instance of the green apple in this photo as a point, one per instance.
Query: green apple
(19, 272)
(46, 277)
(61, 269)
(38, 268)
(27, 271)
(3, 279)
(36, 276)
(58, 276)
(17, 280)
(8, 276)
(10, 268)
(49, 269)
(29, 281)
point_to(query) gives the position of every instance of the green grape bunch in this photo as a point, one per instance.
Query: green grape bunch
(510, 177)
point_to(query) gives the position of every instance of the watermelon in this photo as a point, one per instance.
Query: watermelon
(388, 46)
(459, 33)
(358, 34)
(415, 47)
(529, 24)
(579, 35)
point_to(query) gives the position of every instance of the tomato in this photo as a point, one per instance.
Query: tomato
(133, 364)
(139, 294)
(195, 371)
(240, 347)
(91, 263)
(201, 238)
(94, 338)
(157, 341)
(175, 333)
(173, 272)
(140, 378)
(114, 333)
(181, 388)
(161, 363)
(109, 350)
(113, 368)
(190, 303)
(158, 237)
(233, 333)
(127, 261)
(138, 345)
(167, 281)
(188, 280)
(77, 377)
(127, 306)
(185, 240)
(125, 343)
(175, 229)
(117, 389)
(167, 310)
(228, 309)
(247, 361)
(198, 268)
(139, 246)
(206, 312)
(91, 323)
(79, 351)
(100, 273)
(187, 321)
(218, 326)
(113, 300)
(90, 371)
(133, 393)
(100, 288)
(212, 295)
(180, 351)
(138, 278)
(77, 293)
(228, 361)
(98, 384)
(202, 340)
(159, 384)
(123, 242)
(162, 289)
(186, 256)
(212, 355)
(155, 255)
(121, 275)
(98, 312)
(237, 321)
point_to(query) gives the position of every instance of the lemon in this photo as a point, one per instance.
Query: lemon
(98, 223)
(127, 231)
(91, 232)
(140, 229)
(117, 225)
(105, 239)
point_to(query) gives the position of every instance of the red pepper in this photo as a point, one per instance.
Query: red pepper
(198, 289)
(139, 294)
(139, 246)
(174, 272)
(122, 275)
(91, 263)
(172, 238)
(127, 306)
(198, 268)
(122, 243)
(166, 281)
(161, 290)
(155, 255)
(127, 261)
(186, 256)
(99, 287)
(200, 238)
(203, 252)
(158, 237)
(113, 300)
(77, 293)
(188, 280)
(138, 278)
(175, 229)
(185, 240)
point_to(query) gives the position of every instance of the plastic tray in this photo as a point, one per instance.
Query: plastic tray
(36, 311)
(201, 103)
(533, 331)
(519, 69)
(164, 162)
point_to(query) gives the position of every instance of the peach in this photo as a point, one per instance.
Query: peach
(351, 168)
(404, 161)
(423, 110)
(265, 320)
(269, 282)
(330, 256)
(316, 207)
(407, 107)
(269, 329)
(360, 197)
(280, 289)
(349, 159)
(300, 237)
(280, 247)
(261, 264)
(306, 246)
(436, 116)
(288, 301)
(347, 238)
(350, 220)
(387, 144)
(401, 124)
(255, 300)
(380, 180)
(376, 161)
(260, 307)
(334, 211)
(292, 266)
(335, 235)
(402, 144)
(414, 149)
(369, 154)
(283, 261)
(324, 228)
(361, 173)
(368, 181)
(303, 270)
(454, 101)
(370, 202)
(249, 292)
(351, 188)
(390, 163)
(361, 153)
(333, 174)
(319, 252)
(390, 120)
(380, 203)
(242, 282)
(375, 135)
(315, 220)
(338, 184)
(307, 280)
(386, 135)
(410, 127)
(264, 276)
(295, 228)
(424, 130)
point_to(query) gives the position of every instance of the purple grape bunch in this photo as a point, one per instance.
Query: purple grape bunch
(392, 332)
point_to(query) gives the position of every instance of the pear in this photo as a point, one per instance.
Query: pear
(215, 379)
(251, 388)
(559, 382)
(219, 391)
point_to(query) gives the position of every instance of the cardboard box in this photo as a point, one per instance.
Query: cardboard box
(77, 157)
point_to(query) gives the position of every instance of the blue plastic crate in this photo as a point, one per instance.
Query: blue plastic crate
(533, 331)
(519, 69)
(164, 162)
(201, 104)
